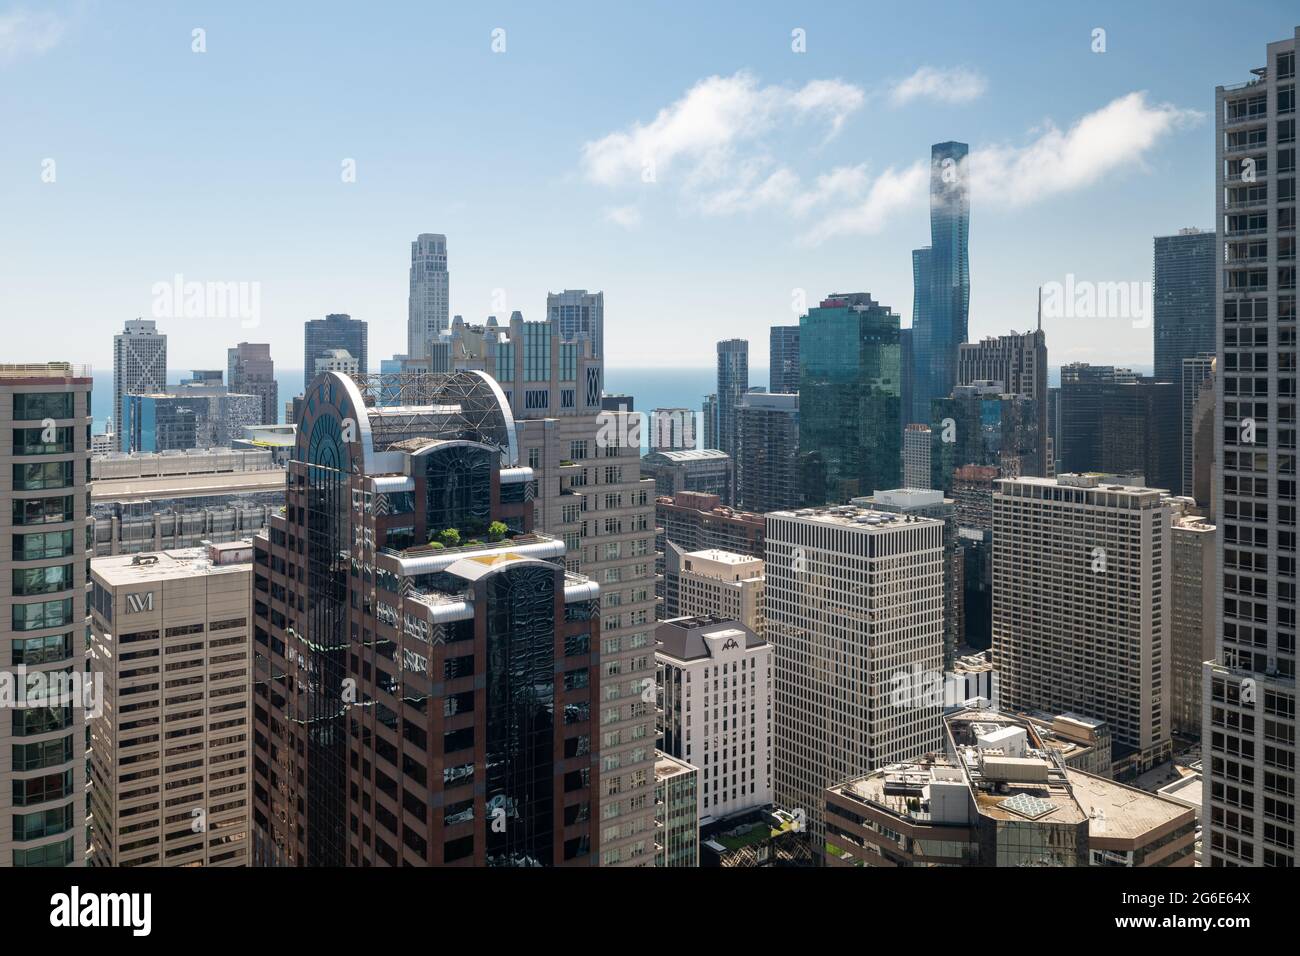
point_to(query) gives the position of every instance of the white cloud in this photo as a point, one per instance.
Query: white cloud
(629, 217)
(1104, 141)
(956, 85)
(706, 129)
(23, 33)
(891, 192)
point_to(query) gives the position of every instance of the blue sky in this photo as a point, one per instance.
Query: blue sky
(773, 171)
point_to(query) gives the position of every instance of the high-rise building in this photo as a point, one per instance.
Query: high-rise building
(186, 614)
(696, 521)
(715, 688)
(1081, 609)
(709, 419)
(672, 429)
(733, 383)
(767, 438)
(429, 300)
(706, 470)
(849, 418)
(1116, 422)
(854, 606)
(916, 456)
(1197, 378)
(44, 557)
(448, 707)
(926, 503)
(1191, 602)
(251, 371)
(1019, 362)
(1250, 691)
(189, 418)
(981, 424)
(940, 316)
(783, 360)
(677, 812)
(338, 331)
(139, 367)
(719, 584)
(591, 495)
(579, 313)
(1183, 305)
(1204, 469)
(1000, 794)
(337, 360)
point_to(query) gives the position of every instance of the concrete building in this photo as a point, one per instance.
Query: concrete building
(783, 360)
(336, 331)
(854, 606)
(709, 421)
(713, 583)
(696, 521)
(44, 560)
(1114, 421)
(767, 439)
(428, 301)
(1191, 635)
(932, 504)
(733, 383)
(672, 429)
(1081, 604)
(139, 367)
(1199, 416)
(708, 471)
(916, 456)
(1250, 690)
(171, 759)
(998, 795)
(677, 812)
(158, 502)
(715, 710)
(251, 371)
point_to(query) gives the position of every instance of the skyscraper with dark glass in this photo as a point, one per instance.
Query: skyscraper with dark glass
(941, 279)
(425, 667)
(1183, 300)
(850, 439)
(783, 360)
(338, 331)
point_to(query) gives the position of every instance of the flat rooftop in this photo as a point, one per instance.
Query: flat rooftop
(853, 516)
(186, 486)
(124, 570)
(1119, 812)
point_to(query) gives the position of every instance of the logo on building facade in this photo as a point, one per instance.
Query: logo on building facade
(135, 603)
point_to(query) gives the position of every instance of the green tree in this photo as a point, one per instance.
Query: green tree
(497, 530)
(450, 537)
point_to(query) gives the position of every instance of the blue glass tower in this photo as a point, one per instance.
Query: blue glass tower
(941, 282)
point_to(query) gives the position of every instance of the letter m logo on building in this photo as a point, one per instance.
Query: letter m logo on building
(135, 603)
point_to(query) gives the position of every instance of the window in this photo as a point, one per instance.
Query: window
(42, 650)
(30, 407)
(55, 854)
(29, 581)
(41, 545)
(42, 823)
(40, 789)
(43, 474)
(33, 617)
(49, 753)
(42, 510)
(33, 441)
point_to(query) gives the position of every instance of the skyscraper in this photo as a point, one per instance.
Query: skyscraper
(1183, 308)
(1019, 362)
(1116, 422)
(337, 331)
(980, 424)
(139, 367)
(428, 302)
(767, 466)
(463, 681)
(44, 618)
(1250, 692)
(1191, 635)
(941, 275)
(849, 431)
(733, 383)
(854, 607)
(783, 359)
(1081, 610)
(916, 456)
(577, 312)
(250, 371)
(709, 421)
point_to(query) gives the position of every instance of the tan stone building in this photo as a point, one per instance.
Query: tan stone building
(170, 754)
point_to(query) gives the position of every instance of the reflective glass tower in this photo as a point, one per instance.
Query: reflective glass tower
(941, 277)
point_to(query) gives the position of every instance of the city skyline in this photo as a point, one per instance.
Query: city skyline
(815, 194)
